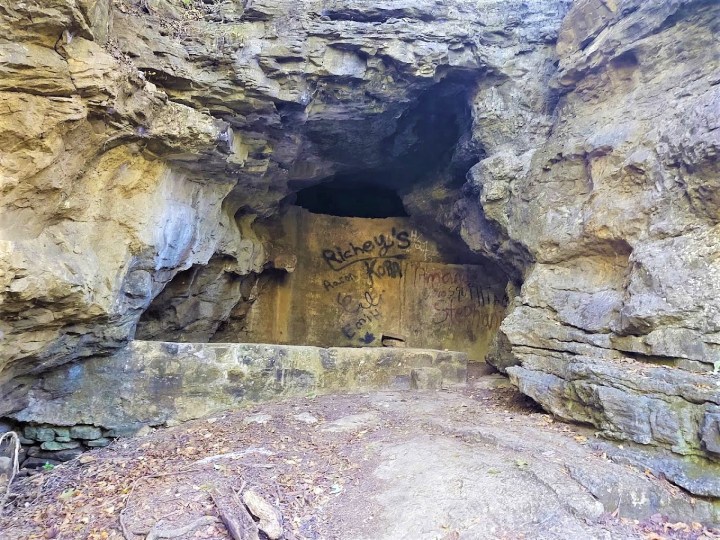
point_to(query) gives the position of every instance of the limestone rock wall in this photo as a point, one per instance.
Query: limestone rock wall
(98, 208)
(143, 138)
(617, 324)
(138, 135)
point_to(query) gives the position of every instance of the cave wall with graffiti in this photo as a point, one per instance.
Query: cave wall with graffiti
(373, 282)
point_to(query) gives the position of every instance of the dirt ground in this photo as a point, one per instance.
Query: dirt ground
(478, 462)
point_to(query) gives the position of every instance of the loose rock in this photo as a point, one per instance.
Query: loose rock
(269, 517)
(85, 432)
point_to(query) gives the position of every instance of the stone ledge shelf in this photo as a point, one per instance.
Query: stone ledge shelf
(152, 383)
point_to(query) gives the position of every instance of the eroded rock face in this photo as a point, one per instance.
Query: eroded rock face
(139, 136)
(142, 139)
(617, 324)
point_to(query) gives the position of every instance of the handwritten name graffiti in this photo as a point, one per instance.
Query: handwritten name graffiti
(349, 304)
(458, 285)
(365, 311)
(457, 299)
(423, 246)
(377, 247)
(448, 312)
(374, 268)
(347, 278)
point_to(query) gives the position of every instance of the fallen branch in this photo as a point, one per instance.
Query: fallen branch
(270, 519)
(238, 521)
(179, 531)
(14, 463)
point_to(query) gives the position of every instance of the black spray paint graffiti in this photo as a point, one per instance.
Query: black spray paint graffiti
(376, 248)
(388, 267)
(337, 282)
(366, 311)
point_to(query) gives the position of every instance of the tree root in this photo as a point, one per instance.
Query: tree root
(237, 520)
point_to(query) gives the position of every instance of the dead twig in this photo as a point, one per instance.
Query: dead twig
(179, 531)
(14, 465)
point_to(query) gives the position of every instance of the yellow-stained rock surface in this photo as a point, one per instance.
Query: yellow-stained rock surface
(556, 160)
(357, 281)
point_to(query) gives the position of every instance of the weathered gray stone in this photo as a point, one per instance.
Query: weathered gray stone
(353, 422)
(39, 433)
(694, 474)
(306, 418)
(257, 419)
(55, 455)
(61, 433)
(85, 432)
(426, 378)
(153, 383)
(127, 430)
(54, 445)
(710, 431)
(98, 443)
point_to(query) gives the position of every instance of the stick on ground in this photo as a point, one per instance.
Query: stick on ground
(236, 518)
(156, 533)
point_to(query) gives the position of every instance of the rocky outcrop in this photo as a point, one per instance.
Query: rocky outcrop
(140, 136)
(152, 383)
(617, 323)
(573, 143)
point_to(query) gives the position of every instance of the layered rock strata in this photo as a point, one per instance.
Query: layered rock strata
(152, 383)
(144, 139)
(618, 321)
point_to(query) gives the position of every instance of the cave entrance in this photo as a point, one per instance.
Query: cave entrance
(340, 281)
(362, 258)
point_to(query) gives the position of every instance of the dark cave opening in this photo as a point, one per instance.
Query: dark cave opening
(374, 252)
(430, 144)
(345, 198)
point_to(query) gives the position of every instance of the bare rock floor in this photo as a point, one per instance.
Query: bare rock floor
(470, 463)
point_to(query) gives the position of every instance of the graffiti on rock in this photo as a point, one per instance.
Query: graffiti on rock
(360, 273)
(365, 311)
(378, 247)
(457, 299)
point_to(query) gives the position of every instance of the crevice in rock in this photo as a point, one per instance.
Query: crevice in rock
(376, 15)
(196, 302)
